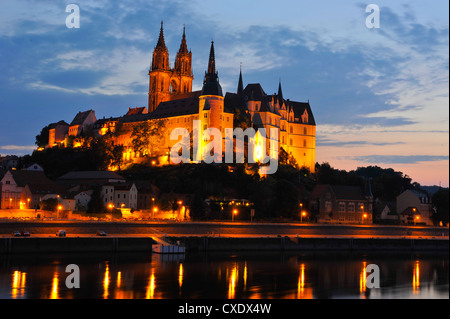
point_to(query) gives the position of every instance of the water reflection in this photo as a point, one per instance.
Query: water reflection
(55, 288)
(151, 286)
(18, 284)
(225, 276)
(416, 278)
(362, 280)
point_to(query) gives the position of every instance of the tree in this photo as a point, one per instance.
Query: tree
(440, 199)
(148, 137)
(96, 205)
(285, 158)
(42, 137)
(50, 204)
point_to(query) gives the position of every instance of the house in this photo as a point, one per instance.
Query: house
(57, 133)
(9, 162)
(341, 204)
(82, 200)
(120, 195)
(81, 122)
(34, 193)
(147, 195)
(387, 213)
(414, 207)
(13, 184)
(34, 167)
(105, 125)
(87, 179)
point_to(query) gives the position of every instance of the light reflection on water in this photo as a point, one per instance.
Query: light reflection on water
(225, 276)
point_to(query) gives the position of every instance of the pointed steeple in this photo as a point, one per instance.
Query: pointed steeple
(183, 45)
(280, 94)
(183, 60)
(241, 83)
(161, 43)
(211, 84)
(212, 61)
(160, 54)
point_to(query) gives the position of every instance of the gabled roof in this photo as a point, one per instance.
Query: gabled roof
(24, 177)
(348, 192)
(47, 188)
(185, 105)
(342, 192)
(137, 110)
(254, 92)
(53, 125)
(299, 108)
(86, 175)
(81, 117)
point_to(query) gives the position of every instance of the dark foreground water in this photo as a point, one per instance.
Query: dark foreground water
(225, 276)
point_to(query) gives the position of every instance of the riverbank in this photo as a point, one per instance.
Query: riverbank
(208, 243)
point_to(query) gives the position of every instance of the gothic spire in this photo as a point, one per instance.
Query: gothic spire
(212, 61)
(161, 43)
(211, 84)
(240, 84)
(280, 94)
(183, 45)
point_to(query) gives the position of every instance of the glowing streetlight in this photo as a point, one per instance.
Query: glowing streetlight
(303, 214)
(59, 211)
(234, 213)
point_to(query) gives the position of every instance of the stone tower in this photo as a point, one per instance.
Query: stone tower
(165, 81)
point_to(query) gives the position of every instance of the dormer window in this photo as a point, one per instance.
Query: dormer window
(305, 117)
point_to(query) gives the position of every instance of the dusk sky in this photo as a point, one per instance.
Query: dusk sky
(379, 96)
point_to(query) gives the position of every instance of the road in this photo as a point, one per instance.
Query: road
(229, 229)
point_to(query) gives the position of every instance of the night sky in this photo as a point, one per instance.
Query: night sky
(379, 96)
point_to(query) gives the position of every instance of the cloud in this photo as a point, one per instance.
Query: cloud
(328, 142)
(398, 159)
(18, 147)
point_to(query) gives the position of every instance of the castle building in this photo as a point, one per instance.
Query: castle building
(170, 98)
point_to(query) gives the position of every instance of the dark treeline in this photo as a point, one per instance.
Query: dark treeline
(276, 195)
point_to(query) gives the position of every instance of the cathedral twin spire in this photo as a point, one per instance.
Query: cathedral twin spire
(165, 81)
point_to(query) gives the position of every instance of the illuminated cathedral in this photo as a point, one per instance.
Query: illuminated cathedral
(171, 99)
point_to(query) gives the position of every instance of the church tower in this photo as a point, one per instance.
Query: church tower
(159, 74)
(181, 81)
(165, 81)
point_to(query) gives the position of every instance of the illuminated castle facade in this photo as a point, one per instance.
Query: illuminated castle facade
(171, 99)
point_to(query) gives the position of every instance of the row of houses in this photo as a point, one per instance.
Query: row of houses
(29, 187)
(354, 205)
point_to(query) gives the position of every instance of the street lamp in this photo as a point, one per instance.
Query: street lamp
(303, 214)
(59, 211)
(234, 213)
